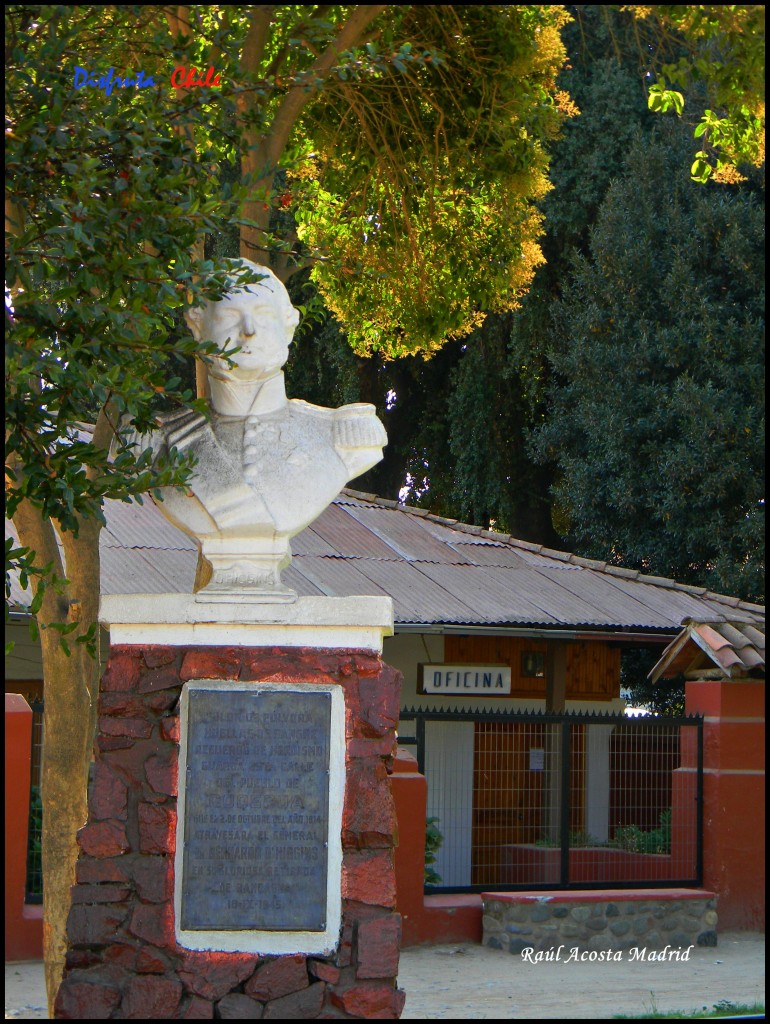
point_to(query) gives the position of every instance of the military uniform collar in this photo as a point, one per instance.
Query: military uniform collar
(239, 398)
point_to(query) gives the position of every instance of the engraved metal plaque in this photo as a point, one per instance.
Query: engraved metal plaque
(256, 810)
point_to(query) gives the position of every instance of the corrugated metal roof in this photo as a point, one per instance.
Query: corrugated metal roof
(733, 649)
(151, 529)
(438, 571)
(346, 536)
(406, 535)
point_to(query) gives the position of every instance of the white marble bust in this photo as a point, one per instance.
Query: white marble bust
(266, 466)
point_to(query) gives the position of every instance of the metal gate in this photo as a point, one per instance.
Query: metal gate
(559, 801)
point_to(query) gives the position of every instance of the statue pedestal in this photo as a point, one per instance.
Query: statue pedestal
(238, 855)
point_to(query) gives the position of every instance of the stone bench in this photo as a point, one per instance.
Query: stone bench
(599, 919)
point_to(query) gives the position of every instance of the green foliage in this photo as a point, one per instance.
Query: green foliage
(34, 885)
(461, 426)
(665, 697)
(433, 841)
(425, 206)
(628, 837)
(722, 1008)
(656, 421)
(578, 838)
(107, 202)
(725, 54)
(637, 840)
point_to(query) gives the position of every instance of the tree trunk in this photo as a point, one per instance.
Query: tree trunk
(71, 688)
(64, 788)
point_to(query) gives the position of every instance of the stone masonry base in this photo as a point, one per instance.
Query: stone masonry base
(608, 919)
(123, 960)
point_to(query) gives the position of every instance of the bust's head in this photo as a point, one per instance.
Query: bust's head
(257, 317)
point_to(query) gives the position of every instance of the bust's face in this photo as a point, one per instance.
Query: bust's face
(260, 320)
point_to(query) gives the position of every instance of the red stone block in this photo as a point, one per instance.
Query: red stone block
(161, 701)
(94, 925)
(101, 870)
(150, 998)
(122, 672)
(154, 878)
(288, 665)
(380, 699)
(278, 978)
(334, 663)
(345, 949)
(106, 743)
(158, 655)
(158, 679)
(372, 1002)
(324, 971)
(162, 773)
(128, 764)
(109, 795)
(138, 728)
(217, 664)
(100, 893)
(369, 817)
(82, 1001)
(125, 703)
(157, 828)
(378, 945)
(151, 961)
(81, 959)
(198, 1009)
(399, 999)
(170, 728)
(262, 665)
(213, 975)
(368, 664)
(103, 839)
(304, 1005)
(154, 923)
(380, 746)
(121, 955)
(239, 1007)
(368, 877)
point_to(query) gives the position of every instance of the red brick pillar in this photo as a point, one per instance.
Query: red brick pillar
(410, 793)
(684, 806)
(451, 918)
(124, 959)
(23, 924)
(734, 796)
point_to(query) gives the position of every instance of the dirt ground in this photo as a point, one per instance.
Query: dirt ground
(470, 982)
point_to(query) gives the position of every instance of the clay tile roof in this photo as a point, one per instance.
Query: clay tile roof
(730, 649)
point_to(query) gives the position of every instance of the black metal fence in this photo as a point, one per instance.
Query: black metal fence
(559, 801)
(34, 893)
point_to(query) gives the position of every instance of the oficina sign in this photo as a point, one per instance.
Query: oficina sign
(482, 680)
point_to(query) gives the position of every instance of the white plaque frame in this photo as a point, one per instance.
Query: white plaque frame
(272, 942)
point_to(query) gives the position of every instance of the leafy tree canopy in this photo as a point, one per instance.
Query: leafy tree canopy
(726, 55)
(656, 410)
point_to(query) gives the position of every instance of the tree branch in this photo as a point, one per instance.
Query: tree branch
(256, 37)
(300, 95)
(106, 425)
(321, 11)
(39, 536)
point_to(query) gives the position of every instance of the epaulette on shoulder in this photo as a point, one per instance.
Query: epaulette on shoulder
(181, 427)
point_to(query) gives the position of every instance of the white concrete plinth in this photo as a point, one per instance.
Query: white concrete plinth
(185, 620)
